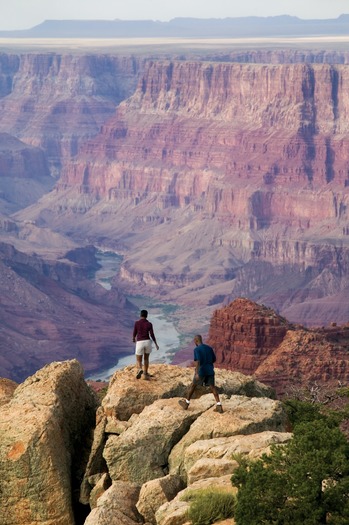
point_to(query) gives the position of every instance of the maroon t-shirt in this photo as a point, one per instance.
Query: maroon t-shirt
(143, 330)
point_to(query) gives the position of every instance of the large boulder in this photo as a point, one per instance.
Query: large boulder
(41, 430)
(155, 493)
(215, 457)
(141, 452)
(117, 506)
(242, 415)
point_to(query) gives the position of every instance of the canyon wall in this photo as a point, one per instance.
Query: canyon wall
(216, 175)
(49, 309)
(53, 100)
(238, 163)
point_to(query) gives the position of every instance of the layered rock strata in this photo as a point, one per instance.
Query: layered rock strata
(55, 100)
(216, 176)
(253, 339)
(237, 166)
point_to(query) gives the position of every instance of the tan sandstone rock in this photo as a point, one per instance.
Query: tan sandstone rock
(117, 506)
(7, 388)
(242, 415)
(215, 457)
(39, 430)
(126, 395)
(141, 452)
(155, 493)
(142, 436)
(175, 511)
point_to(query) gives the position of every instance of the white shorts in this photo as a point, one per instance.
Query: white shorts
(143, 347)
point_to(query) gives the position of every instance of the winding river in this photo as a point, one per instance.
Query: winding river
(167, 335)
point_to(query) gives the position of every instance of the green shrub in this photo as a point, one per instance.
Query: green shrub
(299, 412)
(304, 482)
(208, 506)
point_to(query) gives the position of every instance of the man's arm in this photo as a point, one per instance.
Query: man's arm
(152, 335)
(134, 333)
(196, 362)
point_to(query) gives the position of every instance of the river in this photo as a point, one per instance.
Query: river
(167, 335)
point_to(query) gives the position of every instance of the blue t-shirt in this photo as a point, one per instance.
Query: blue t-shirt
(206, 357)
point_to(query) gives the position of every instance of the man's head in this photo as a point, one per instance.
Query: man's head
(144, 313)
(198, 340)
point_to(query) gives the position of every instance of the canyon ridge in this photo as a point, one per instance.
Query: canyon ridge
(215, 173)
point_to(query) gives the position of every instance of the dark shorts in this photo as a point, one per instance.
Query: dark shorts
(204, 381)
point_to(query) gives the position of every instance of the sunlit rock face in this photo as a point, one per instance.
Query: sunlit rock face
(253, 339)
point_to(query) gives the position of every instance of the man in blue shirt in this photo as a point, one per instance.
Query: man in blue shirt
(204, 357)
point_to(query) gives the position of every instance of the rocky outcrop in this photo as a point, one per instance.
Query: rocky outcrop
(140, 466)
(244, 333)
(144, 438)
(253, 339)
(42, 431)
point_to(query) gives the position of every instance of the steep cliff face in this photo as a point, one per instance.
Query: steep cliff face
(256, 145)
(253, 339)
(24, 174)
(273, 125)
(55, 100)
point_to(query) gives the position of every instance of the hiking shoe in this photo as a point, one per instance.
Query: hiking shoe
(146, 377)
(183, 404)
(219, 409)
(139, 373)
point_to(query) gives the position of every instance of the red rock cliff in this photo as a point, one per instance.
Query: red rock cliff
(253, 339)
(244, 334)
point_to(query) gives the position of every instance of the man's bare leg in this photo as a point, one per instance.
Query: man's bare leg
(139, 366)
(214, 391)
(146, 364)
(184, 403)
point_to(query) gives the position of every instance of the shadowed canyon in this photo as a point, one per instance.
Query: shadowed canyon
(215, 173)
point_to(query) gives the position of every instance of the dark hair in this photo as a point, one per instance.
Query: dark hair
(144, 313)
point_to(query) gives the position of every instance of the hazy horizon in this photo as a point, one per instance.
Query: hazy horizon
(25, 14)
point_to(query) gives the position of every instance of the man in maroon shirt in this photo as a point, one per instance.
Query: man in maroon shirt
(143, 335)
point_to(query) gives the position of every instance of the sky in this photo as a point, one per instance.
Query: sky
(24, 14)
